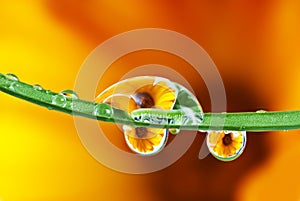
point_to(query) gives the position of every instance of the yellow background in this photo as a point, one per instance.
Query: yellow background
(255, 45)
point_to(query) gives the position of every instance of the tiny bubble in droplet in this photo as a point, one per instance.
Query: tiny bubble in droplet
(70, 94)
(37, 87)
(12, 77)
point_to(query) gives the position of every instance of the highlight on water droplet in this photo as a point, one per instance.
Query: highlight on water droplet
(37, 87)
(12, 77)
(261, 111)
(103, 110)
(59, 100)
(70, 94)
(226, 145)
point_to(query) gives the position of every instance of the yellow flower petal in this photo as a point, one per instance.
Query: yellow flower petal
(156, 140)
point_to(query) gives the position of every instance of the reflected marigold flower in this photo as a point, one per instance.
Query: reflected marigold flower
(145, 140)
(142, 92)
(226, 145)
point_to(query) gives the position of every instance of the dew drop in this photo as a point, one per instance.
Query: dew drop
(37, 87)
(261, 111)
(145, 144)
(12, 77)
(69, 94)
(174, 131)
(226, 145)
(59, 100)
(14, 86)
(103, 110)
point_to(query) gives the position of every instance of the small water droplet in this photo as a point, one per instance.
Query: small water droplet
(37, 87)
(174, 131)
(14, 86)
(12, 77)
(261, 111)
(70, 94)
(59, 100)
(72, 106)
(103, 110)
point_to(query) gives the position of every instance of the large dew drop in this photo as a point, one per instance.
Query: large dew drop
(136, 93)
(226, 145)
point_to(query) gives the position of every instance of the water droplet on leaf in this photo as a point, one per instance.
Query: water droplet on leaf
(143, 142)
(70, 94)
(261, 111)
(174, 131)
(226, 145)
(14, 86)
(12, 77)
(59, 100)
(37, 87)
(103, 110)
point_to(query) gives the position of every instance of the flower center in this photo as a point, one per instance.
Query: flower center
(227, 139)
(143, 100)
(141, 132)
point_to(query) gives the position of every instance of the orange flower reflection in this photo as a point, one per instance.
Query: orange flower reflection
(226, 144)
(142, 92)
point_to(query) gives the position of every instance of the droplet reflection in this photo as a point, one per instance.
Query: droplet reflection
(226, 145)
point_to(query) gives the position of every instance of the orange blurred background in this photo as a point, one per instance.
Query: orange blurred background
(255, 45)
